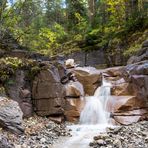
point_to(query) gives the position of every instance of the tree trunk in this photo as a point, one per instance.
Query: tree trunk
(91, 11)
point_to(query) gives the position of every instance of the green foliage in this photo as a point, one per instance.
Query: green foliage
(135, 42)
(48, 40)
(59, 26)
(13, 62)
(132, 50)
(9, 65)
(2, 91)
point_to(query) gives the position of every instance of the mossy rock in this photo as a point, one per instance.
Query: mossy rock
(2, 91)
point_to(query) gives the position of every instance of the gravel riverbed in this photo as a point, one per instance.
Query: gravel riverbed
(39, 133)
(42, 133)
(132, 136)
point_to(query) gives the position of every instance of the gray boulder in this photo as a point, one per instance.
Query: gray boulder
(11, 116)
(4, 142)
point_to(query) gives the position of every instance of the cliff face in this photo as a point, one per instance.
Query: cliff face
(33, 80)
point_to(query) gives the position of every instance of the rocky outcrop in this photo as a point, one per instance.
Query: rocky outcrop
(129, 89)
(48, 93)
(141, 55)
(10, 116)
(19, 89)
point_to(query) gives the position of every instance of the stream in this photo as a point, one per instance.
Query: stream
(94, 119)
(82, 135)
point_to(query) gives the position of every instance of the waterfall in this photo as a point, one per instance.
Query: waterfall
(95, 110)
(93, 119)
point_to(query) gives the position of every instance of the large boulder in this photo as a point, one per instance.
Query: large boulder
(129, 117)
(10, 115)
(48, 93)
(139, 85)
(74, 101)
(118, 104)
(89, 77)
(138, 79)
(130, 87)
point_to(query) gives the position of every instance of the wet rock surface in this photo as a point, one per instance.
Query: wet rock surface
(132, 136)
(39, 133)
(74, 103)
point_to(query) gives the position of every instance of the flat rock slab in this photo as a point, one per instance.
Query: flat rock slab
(125, 103)
(11, 116)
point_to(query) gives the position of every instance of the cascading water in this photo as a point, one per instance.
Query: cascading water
(95, 110)
(93, 119)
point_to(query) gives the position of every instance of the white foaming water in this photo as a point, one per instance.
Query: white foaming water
(93, 119)
(95, 110)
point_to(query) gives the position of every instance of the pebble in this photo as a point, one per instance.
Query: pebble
(40, 132)
(131, 136)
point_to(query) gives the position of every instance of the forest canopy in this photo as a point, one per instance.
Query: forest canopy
(49, 26)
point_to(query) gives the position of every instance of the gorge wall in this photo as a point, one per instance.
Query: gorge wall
(36, 86)
(93, 58)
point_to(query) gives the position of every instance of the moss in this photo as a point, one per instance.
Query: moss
(33, 72)
(135, 42)
(9, 65)
(2, 91)
(132, 50)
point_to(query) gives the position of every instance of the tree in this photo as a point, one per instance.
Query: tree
(74, 7)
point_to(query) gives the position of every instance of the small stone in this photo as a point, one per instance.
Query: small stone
(146, 139)
(43, 140)
(101, 142)
(91, 144)
(117, 142)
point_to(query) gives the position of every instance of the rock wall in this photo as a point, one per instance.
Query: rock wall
(18, 88)
(48, 93)
(94, 58)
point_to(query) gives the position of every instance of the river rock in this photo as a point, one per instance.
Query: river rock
(138, 79)
(11, 116)
(134, 135)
